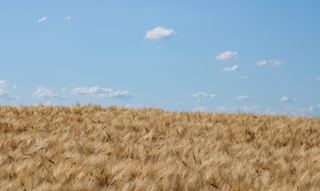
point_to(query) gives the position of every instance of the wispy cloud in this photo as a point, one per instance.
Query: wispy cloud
(158, 47)
(139, 106)
(47, 93)
(159, 33)
(203, 108)
(246, 109)
(318, 78)
(275, 62)
(262, 63)
(67, 18)
(226, 56)
(244, 97)
(222, 108)
(200, 102)
(270, 62)
(63, 89)
(182, 104)
(287, 99)
(242, 77)
(6, 93)
(2, 82)
(14, 87)
(202, 94)
(102, 92)
(232, 69)
(42, 19)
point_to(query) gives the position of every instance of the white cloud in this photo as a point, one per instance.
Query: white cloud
(245, 97)
(242, 77)
(318, 78)
(226, 56)
(49, 103)
(272, 62)
(202, 109)
(232, 69)
(2, 82)
(102, 92)
(7, 94)
(222, 108)
(262, 63)
(67, 18)
(14, 87)
(275, 62)
(200, 102)
(159, 33)
(139, 106)
(158, 47)
(251, 109)
(42, 19)
(183, 104)
(309, 110)
(47, 93)
(202, 94)
(63, 89)
(287, 99)
(246, 109)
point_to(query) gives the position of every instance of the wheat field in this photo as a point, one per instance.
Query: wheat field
(96, 148)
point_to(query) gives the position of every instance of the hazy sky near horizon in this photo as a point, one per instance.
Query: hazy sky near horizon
(218, 56)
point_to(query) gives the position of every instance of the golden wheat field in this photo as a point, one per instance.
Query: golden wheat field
(97, 148)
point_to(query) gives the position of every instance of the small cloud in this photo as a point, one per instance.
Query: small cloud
(287, 99)
(242, 77)
(262, 63)
(318, 78)
(305, 78)
(245, 97)
(2, 82)
(202, 94)
(275, 62)
(272, 62)
(232, 69)
(42, 19)
(202, 109)
(226, 56)
(63, 89)
(182, 104)
(252, 109)
(47, 93)
(14, 87)
(67, 18)
(200, 102)
(7, 94)
(158, 47)
(310, 109)
(139, 106)
(102, 92)
(159, 33)
(49, 103)
(222, 108)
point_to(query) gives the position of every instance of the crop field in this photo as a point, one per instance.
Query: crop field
(96, 148)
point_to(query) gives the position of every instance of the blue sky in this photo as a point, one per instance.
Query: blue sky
(219, 56)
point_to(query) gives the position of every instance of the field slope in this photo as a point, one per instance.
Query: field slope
(96, 148)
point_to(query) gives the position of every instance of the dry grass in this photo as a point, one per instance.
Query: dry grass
(97, 148)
